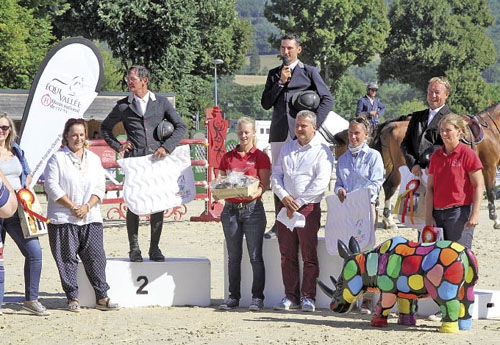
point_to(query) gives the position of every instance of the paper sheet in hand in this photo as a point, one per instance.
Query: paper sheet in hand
(351, 218)
(297, 221)
(156, 185)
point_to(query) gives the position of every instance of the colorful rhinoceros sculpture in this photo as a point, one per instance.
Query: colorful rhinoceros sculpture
(404, 271)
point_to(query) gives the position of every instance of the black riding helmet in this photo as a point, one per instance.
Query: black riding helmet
(306, 100)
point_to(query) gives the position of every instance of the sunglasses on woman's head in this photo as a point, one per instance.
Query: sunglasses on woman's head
(4, 128)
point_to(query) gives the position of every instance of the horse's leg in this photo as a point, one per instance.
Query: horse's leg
(387, 219)
(390, 184)
(383, 309)
(407, 309)
(489, 184)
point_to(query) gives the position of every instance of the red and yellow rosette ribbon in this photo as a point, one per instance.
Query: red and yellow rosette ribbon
(411, 187)
(429, 234)
(26, 198)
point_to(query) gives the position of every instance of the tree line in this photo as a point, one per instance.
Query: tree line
(400, 43)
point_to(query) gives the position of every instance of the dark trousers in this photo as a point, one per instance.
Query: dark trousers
(453, 220)
(67, 243)
(156, 221)
(289, 242)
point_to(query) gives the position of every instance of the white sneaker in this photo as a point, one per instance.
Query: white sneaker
(308, 304)
(435, 317)
(35, 307)
(285, 304)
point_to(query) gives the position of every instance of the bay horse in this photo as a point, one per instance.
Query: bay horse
(387, 140)
(489, 153)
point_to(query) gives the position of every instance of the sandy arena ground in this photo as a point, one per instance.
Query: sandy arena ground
(207, 325)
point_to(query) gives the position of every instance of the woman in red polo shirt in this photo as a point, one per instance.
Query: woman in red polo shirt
(245, 216)
(455, 184)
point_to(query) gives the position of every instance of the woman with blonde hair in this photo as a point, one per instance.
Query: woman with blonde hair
(17, 172)
(245, 216)
(455, 184)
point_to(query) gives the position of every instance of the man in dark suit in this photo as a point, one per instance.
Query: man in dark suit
(422, 136)
(141, 113)
(282, 83)
(371, 105)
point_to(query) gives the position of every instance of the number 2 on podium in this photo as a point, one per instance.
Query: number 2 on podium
(140, 290)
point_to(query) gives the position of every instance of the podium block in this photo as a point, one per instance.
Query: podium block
(175, 282)
(486, 304)
(329, 265)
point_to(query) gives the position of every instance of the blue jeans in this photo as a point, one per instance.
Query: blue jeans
(2, 275)
(30, 248)
(248, 219)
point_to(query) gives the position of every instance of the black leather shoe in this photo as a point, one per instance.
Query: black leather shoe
(135, 255)
(271, 233)
(156, 255)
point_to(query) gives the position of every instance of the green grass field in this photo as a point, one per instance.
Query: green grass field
(267, 62)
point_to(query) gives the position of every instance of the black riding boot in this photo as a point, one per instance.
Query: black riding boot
(133, 240)
(156, 220)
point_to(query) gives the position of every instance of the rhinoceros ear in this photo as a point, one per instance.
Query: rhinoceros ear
(343, 250)
(354, 246)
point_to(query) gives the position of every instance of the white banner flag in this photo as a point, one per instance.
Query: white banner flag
(65, 85)
(349, 218)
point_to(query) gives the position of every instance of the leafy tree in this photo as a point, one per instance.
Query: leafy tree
(254, 62)
(177, 40)
(252, 10)
(335, 33)
(349, 90)
(244, 100)
(440, 38)
(493, 91)
(262, 31)
(45, 8)
(400, 99)
(24, 41)
(469, 90)
(113, 73)
(492, 74)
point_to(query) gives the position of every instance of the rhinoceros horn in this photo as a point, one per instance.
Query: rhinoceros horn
(325, 289)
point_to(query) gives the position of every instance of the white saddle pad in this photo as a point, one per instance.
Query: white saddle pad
(351, 218)
(152, 186)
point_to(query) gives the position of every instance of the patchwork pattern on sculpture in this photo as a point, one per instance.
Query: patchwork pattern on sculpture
(403, 271)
